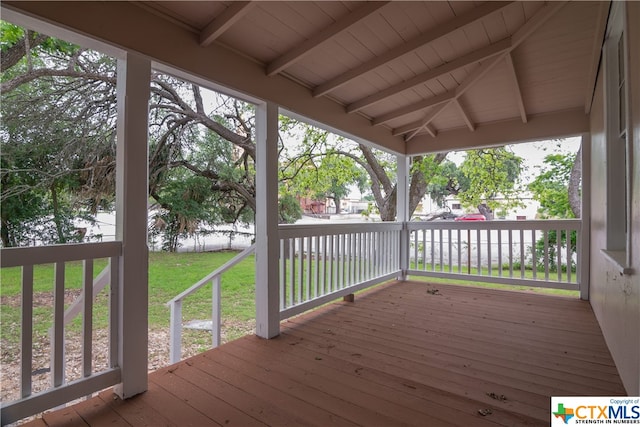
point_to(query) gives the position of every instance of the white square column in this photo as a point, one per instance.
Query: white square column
(267, 239)
(402, 211)
(133, 89)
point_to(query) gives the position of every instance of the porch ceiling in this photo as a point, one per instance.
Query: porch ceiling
(409, 76)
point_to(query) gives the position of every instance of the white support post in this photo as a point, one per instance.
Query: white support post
(402, 212)
(584, 250)
(267, 239)
(134, 73)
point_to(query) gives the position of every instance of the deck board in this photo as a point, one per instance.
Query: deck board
(398, 355)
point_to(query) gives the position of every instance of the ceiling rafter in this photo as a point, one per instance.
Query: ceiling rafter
(431, 115)
(420, 105)
(430, 129)
(299, 51)
(463, 61)
(516, 87)
(224, 21)
(440, 31)
(518, 38)
(465, 115)
(598, 40)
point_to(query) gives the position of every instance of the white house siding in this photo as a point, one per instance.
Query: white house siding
(616, 298)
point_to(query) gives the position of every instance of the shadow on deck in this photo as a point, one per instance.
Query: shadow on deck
(405, 353)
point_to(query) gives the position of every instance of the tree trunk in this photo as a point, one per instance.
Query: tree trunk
(575, 178)
(56, 213)
(485, 210)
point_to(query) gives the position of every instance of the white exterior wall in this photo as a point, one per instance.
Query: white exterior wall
(615, 298)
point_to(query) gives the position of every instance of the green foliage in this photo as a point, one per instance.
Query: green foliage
(446, 180)
(492, 174)
(550, 187)
(289, 209)
(314, 164)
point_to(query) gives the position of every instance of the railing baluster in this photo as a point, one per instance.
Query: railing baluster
(441, 249)
(57, 341)
(479, 252)
(521, 253)
(300, 267)
(216, 322)
(534, 260)
(26, 338)
(459, 251)
(292, 272)
(510, 253)
(559, 253)
(114, 309)
(433, 249)
(546, 255)
(449, 251)
(323, 277)
(283, 273)
(424, 249)
(175, 338)
(317, 255)
(309, 277)
(489, 250)
(499, 253)
(87, 317)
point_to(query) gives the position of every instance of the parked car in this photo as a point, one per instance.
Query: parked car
(471, 217)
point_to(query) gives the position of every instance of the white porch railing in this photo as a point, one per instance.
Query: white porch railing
(531, 253)
(321, 263)
(60, 390)
(175, 304)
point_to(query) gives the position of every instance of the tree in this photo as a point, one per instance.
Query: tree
(493, 176)
(556, 188)
(54, 146)
(550, 187)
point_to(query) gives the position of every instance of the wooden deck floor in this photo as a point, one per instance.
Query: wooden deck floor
(402, 354)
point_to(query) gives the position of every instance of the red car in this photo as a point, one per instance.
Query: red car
(471, 217)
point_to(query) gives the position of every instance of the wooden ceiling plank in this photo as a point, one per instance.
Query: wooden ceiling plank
(465, 115)
(598, 39)
(425, 38)
(316, 40)
(544, 14)
(516, 86)
(434, 73)
(224, 21)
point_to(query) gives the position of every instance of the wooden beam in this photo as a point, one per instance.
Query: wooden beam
(520, 36)
(438, 99)
(556, 125)
(425, 121)
(316, 40)
(417, 126)
(516, 87)
(596, 52)
(224, 21)
(464, 115)
(463, 61)
(456, 23)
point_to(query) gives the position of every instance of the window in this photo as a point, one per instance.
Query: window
(618, 167)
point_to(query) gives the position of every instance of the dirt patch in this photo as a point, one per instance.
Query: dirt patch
(193, 342)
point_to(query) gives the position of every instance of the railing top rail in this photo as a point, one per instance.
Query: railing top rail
(305, 230)
(218, 271)
(543, 224)
(15, 257)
